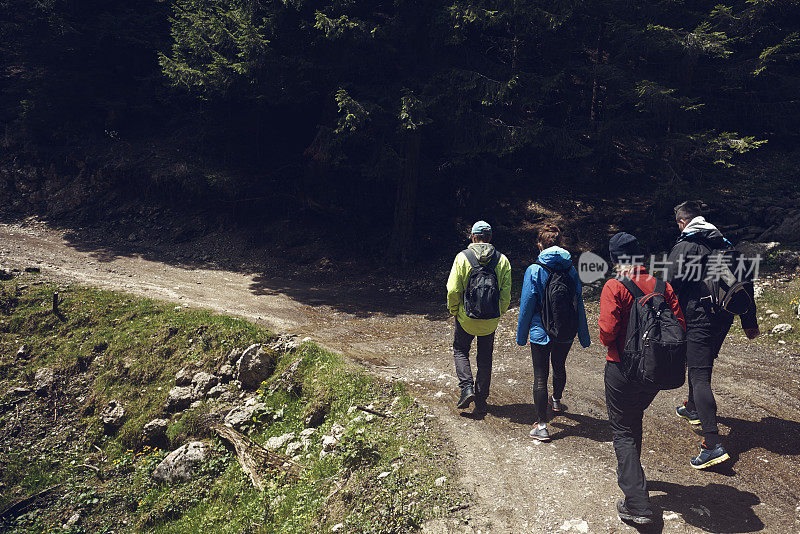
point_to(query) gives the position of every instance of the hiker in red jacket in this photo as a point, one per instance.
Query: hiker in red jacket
(626, 400)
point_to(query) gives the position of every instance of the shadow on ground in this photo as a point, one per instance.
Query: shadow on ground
(712, 507)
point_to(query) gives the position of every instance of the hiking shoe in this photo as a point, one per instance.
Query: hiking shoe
(539, 434)
(467, 396)
(480, 407)
(627, 515)
(709, 457)
(689, 415)
(555, 404)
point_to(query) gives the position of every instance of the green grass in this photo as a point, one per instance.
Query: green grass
(107, 346)
(782, 298)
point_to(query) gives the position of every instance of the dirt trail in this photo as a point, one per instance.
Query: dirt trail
(568, 485)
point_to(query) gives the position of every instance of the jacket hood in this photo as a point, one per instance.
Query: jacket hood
(483, 251)
(700, 228)
(556, 258)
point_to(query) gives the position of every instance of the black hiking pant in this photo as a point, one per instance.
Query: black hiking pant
(626, 402)
(461, 345)
(703, 343)
(542, 355)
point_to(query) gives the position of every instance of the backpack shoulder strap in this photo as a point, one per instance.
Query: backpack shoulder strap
(635, 291)
(492, 265)
(471, 258)
(547, 269)
(661, 287)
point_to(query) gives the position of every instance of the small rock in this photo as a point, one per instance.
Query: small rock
(183, 377)
(202, 382)
(23, 353)
(305, 437)
(240, 416)
(73, 520)
(181, 464)
(226, 373)
(293, 447)
(774, 316)
(43, 380)
(112, 416)
(234, 355)
(384, 475)
(577, 525)
(154, 433)
(337, 430)
(216, 391)
(329, 442)
(275, 443)
(255, 366)
(440, 481)
(781, 328)
(195, 404)
(337, 527)
(179, 398)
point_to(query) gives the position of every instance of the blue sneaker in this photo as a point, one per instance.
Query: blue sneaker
(687, 414)
(709, 457)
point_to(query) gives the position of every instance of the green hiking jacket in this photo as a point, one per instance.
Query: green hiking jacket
(458, 281)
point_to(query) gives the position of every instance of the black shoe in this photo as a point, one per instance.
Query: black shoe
(686, 413)
(555, 404)
(709, 457)
(480, 407)
(467, 396)
(627, 515)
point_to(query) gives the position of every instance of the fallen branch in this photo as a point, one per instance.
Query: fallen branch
(95, 468)
(370, 410)
(253, 457)
(19, 506)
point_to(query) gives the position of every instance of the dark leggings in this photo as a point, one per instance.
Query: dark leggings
(542, 355)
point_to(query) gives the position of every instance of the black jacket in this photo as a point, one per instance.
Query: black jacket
(693, 295)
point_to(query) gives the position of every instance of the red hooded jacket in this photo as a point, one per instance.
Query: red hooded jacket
(615, 308)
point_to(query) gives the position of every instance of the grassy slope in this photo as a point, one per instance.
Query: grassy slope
(113, 346)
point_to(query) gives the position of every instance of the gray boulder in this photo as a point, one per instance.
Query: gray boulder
(183, 377)
(179, 398)
(154, 433)
(202, 382)
(255, 366)
(181, 464)
(43, 380)
(241, 416)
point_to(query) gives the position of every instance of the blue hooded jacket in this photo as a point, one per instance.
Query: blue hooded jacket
(530, 309)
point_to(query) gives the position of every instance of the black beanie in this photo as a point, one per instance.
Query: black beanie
(623, 244)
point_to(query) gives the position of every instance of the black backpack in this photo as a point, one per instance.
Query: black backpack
(728, 293)
(559, 305)
(655, 345)
(482, 294)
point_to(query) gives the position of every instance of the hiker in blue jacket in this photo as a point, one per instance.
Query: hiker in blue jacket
(531, 327)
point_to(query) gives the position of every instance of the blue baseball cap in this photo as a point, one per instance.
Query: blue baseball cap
(481, 228)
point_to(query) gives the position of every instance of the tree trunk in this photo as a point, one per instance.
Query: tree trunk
(406, 201)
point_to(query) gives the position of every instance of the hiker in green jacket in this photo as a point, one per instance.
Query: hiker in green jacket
(478, 293)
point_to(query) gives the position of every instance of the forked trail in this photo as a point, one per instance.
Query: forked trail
(568, 485)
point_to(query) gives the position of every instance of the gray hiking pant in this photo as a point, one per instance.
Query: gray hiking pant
(461, 345)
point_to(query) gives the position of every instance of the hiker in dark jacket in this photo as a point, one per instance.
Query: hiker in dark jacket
(626, 399)
(530, 327)
(705, 328)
